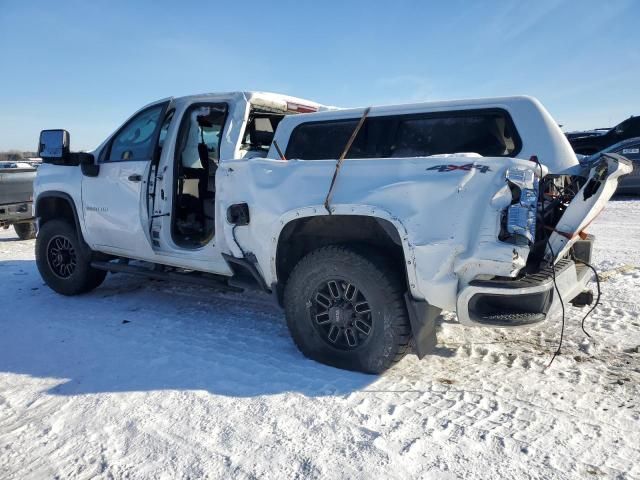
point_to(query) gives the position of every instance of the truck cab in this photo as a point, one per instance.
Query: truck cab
(148, 191)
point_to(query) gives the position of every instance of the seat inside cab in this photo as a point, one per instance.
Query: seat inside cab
(259, 133)
(197, 157)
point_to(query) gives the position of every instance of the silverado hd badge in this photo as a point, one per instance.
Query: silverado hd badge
(90, 208)
(466, 167)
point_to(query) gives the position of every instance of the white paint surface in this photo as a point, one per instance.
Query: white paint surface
(205, 385)
(448, 221)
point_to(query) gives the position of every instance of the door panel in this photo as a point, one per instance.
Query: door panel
(112, 207)
(115, 201)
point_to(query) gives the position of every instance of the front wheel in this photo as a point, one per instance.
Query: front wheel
(62, 262)
(346, 309)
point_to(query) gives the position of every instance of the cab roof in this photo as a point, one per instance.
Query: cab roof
(249, 97)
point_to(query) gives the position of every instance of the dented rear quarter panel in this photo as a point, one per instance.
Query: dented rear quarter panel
(448, 219)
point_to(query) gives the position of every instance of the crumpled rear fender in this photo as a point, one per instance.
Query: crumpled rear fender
(446, 211)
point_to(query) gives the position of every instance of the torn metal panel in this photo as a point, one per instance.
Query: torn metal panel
(448, 221)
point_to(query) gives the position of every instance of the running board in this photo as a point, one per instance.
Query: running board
(198, 278)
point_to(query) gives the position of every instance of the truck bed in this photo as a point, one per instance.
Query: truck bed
(16, 183)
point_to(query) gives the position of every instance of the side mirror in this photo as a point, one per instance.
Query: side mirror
(53, 146)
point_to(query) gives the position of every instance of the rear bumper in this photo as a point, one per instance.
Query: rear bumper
(15, 213)
(524, 301)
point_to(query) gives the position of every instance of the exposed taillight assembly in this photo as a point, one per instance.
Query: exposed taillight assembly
(520, 219)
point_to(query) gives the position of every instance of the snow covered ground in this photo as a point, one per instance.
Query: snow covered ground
(143, 379)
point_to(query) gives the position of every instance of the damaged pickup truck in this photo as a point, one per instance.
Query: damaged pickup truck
(363, 223)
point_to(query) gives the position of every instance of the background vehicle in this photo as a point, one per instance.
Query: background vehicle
(593, 141)
(629, 184)
(16, 196)
(435, 208)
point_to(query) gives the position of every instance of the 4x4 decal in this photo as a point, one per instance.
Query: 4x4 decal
(467, 167)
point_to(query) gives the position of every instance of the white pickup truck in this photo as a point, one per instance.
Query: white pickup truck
(477, 207)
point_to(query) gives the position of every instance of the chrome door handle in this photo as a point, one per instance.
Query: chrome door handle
(135, 178)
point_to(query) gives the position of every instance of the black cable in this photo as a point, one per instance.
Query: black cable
(233, 234)
(597, 302)
(553, 265)
(541, 193)
(553, 272)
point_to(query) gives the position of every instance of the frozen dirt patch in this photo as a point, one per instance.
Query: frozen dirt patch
(143, 379)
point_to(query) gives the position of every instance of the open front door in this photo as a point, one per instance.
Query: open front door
(181, 189)
(115, 201)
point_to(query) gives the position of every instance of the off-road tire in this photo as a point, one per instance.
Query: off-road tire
(25, 231)
(83, 278)
(379, 282)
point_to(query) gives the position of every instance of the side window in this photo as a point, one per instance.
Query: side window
(136, 139)
(326, 140)
(260, 130)
(488, 134)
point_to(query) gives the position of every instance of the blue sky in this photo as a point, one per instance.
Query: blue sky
(86, 66)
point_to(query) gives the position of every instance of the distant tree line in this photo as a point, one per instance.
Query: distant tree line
(16, 155)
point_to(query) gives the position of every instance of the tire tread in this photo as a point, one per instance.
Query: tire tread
(89, 278)
(385, 275)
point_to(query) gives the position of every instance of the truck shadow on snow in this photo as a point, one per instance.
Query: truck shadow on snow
(133, 335)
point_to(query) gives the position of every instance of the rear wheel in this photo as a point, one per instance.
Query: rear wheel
(345, 308)
(25, 231)
(62, 261)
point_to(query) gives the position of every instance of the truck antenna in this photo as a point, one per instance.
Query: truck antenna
(342, 157)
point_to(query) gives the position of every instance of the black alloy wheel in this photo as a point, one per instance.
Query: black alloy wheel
(61, 256)
(341, 314)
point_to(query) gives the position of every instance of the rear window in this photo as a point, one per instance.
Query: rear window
(316, 141)
(260, 130)
(490, 133)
